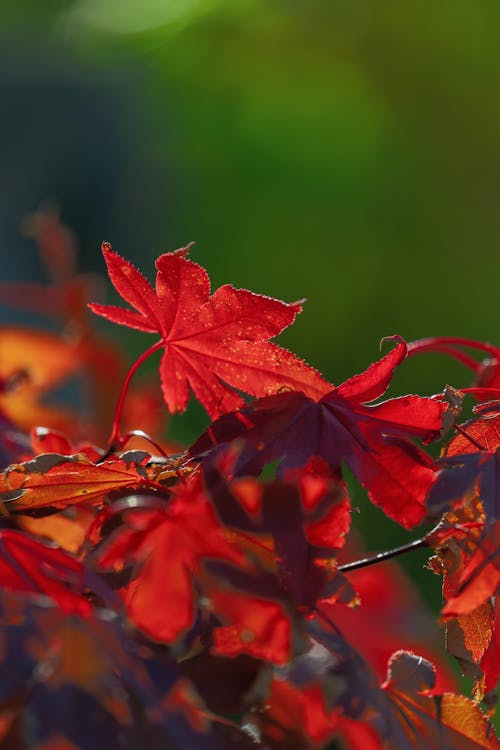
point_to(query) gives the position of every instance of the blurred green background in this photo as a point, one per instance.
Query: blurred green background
(321, 149)
(326, 149)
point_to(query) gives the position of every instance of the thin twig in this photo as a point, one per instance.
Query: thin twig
(381, 556)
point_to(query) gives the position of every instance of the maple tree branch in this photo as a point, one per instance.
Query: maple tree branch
(381, 556)
(115, 439)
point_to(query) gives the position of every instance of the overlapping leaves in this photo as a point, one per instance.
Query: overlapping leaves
(342, 427)
(179, 600)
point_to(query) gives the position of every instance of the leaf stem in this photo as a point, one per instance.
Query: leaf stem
(447, 344)
(468, 437)
(458, 354)
(115, 438)
(453, 341)
(326, 619)
(381, 556)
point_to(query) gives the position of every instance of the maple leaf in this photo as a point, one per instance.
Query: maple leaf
(405, 710)
(32, 363)
(471, 463)
(301, 522)
(480, 576)
(57, 668)
(448, 720)
(490, 660)
(149, 543)
(211, 342)
(470, 468)
(27, 565)
(333, 693)
(67, 528)
(469, 635)
(54, 480)
(249, 601)
(390, 616)
(467, 555)
(342, 426)
(258, 625)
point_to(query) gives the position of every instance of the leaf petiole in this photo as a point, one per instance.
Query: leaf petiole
(448, 345)
(469, 437)
(115, 440)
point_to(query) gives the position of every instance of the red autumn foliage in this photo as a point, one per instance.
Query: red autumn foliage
(372, 440)
(211, 342)
(175, 598)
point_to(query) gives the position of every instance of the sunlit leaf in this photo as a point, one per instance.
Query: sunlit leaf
(211, 342)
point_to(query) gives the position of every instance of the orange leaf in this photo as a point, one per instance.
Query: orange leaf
(53, 480)
(432, 722)
(31, 364)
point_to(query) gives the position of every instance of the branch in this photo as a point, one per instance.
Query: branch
(381, 556)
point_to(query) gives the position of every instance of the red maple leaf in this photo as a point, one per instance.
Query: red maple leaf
(468, 547)
(28, 566)
(163, 550)
(438, 721)
(471, 468)
(335, 685)
(342, 427)
(301, 523)
(54, 664)
(211, 342)
(472, 460)
(473, 636)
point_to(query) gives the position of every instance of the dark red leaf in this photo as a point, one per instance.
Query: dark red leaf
(291, 427)
(80, 683)
(306, 517)
(404, 711)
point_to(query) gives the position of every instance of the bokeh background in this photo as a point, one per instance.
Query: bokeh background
(321, 149)
(328, 149)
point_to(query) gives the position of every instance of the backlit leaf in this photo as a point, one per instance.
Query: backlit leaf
(54, 480)
(292, 428)
(211, 342)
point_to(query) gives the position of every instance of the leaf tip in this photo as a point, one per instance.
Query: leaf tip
(184, 251)
(395, 337)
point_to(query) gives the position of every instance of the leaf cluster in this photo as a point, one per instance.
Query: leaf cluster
(173, 596)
